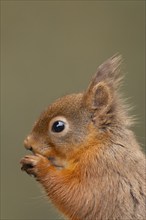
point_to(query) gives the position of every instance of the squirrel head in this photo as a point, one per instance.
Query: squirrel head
(77, 121)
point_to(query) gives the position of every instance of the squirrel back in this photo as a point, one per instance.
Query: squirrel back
(86, 156)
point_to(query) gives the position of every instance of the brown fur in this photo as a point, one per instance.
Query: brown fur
(96, 171)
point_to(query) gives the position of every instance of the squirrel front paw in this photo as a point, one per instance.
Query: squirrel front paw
(34, 164)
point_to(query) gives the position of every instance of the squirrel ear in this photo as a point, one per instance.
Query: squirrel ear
(100, 92)
(99, 97)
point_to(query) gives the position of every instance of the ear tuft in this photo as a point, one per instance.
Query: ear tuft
(103, 85)
(109, 71)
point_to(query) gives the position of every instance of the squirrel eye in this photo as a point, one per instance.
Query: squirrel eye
(58, 126)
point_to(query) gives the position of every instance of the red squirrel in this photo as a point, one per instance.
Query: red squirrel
(85, 155)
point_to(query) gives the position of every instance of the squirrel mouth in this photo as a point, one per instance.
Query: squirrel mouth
(31, 150)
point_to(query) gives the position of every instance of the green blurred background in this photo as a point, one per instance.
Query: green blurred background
(49, 49)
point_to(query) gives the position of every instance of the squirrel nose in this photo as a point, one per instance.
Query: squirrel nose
(27, 144)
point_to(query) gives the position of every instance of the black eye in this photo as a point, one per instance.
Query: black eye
(58, 126)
